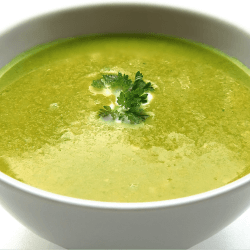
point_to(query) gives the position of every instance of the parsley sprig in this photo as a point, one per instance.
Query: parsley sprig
(113, 81)
(132, 96)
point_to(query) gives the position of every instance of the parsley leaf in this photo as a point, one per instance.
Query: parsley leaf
(98, 84)
(106, 111)
(113, 81)
(132, 96)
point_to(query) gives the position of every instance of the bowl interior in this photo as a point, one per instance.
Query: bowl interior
(125, 18)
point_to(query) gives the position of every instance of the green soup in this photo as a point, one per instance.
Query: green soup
(197, 137)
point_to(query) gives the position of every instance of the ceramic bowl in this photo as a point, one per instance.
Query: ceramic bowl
(76, 223)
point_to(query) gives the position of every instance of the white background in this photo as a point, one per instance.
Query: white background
(12, 234)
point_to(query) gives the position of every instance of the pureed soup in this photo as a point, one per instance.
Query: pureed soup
(196, 136)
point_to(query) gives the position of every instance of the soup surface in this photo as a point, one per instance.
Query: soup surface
(197, 137)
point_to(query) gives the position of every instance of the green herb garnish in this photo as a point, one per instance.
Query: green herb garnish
(132, 95)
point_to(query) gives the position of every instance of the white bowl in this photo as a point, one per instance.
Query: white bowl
(76, 223)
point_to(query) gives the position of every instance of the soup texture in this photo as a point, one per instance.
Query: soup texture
(197, 137)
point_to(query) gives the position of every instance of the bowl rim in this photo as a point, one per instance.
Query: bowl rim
(196, 198)
(46, 195)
